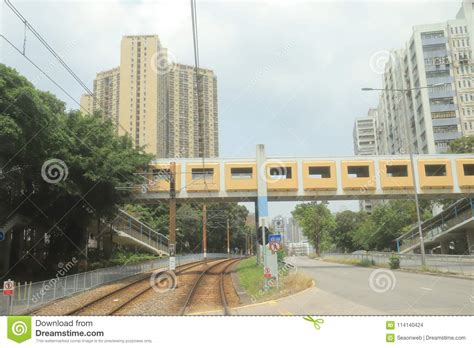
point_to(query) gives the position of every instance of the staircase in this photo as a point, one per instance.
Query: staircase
(129, 231)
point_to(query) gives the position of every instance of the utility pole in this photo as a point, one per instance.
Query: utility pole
(204, 231)
(251, 243)
(172, 218)
(228, 238)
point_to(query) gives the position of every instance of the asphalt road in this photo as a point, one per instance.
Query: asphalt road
(350, 290)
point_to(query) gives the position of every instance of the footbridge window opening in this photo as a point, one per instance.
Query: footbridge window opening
(468, 169)
(358, 171)
(241, 173)
(435, 170)
(397, 171)
(277, 173)
(202, 173)
(319, 172)
(161, 174)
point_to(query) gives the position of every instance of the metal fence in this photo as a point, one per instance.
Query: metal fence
(30, 296)
(457, 264)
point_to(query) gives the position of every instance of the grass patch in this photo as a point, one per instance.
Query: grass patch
(354, 262)
(250, 277)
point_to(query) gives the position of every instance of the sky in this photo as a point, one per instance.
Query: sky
(289, 72)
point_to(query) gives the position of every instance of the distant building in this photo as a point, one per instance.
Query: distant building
(365, 144)
(106, 93)
(86, 103)
(365, 134)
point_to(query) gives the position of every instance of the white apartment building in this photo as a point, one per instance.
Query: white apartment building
(365, 144)
(437, 64)
(365, 134)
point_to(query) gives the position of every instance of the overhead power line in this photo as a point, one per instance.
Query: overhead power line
(44, 73)
(47, 45)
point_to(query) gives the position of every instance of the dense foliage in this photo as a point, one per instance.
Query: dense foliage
(87, 161)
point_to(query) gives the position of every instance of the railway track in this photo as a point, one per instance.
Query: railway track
(209, 289)
(114, 301)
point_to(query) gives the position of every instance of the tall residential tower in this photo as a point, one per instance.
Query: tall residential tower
(438, 56)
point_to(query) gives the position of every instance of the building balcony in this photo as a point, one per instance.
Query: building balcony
(439, 80)
(434, 94)
(434, 41)
(442, 107)
(447, 136)
(445, 122)
(441, 67)
(435, 54)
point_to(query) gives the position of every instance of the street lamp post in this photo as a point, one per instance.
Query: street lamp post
(412, 161)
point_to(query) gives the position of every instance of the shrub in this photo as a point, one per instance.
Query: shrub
(394, 262)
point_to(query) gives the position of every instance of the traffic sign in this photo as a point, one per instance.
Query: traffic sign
(274, 238)
(2, 235)
(267, 273)
(274, 246)
(8, 287)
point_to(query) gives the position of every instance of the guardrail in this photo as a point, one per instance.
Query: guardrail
(458, 264)
(30, 296)
(430, 233)
(128, 224)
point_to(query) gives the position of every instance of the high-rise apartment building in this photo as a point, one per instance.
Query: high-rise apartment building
(86, 103)
(143, 91)
(192, 124)
(106, 93)
(365, 134)
(156, 102)
(365, 144)
(438, 56)
(105, 98)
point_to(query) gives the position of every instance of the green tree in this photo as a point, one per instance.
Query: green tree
(347, 222)
(35, 129)
(317, 223)
(463, 144)
(387, 222)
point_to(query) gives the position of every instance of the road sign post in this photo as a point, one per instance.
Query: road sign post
(8, 287)
(172, 254)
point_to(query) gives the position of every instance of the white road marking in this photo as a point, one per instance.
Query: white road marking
(427, 289)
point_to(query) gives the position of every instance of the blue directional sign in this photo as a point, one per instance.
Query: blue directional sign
(274, 238)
